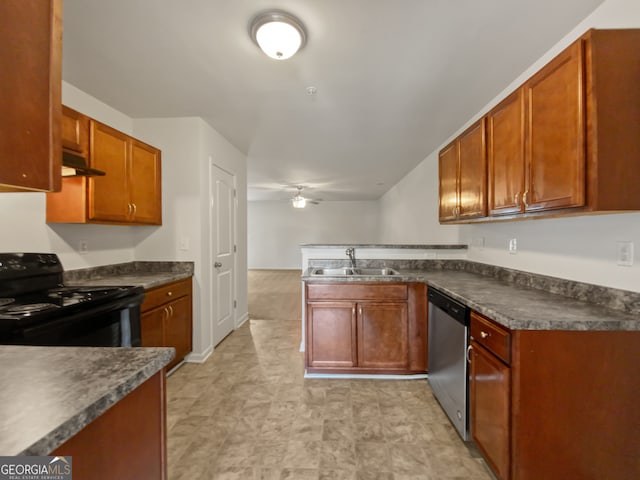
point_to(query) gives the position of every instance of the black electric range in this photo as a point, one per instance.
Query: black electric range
(37, 309)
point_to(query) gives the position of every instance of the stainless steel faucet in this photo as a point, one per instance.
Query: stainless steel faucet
(351, 253)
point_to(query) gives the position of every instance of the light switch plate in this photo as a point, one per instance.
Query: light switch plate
(184, 244)
(625, 253)
(513, 246)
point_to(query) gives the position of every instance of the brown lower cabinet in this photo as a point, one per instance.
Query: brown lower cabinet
(555, 404)
(166, 318)
(127, 442)
(366, 328)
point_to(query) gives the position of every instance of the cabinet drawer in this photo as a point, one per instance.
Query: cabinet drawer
(166, 293)
(496, 339)
(360, 291)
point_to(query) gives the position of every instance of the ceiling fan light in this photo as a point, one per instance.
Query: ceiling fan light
(299, 201)
(279, 34)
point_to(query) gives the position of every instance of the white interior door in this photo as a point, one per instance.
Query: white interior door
(223, 256)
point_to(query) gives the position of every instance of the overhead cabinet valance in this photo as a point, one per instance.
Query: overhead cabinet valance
(566, 142)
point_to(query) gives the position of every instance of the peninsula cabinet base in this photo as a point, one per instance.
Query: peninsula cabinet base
(366, 328)
(127, 442)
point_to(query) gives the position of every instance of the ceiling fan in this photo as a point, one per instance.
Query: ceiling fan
(298, 201)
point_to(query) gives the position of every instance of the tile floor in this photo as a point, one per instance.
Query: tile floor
(248, 413)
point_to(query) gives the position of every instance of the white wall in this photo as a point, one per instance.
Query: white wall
(276, 229)
(23, 214)
(580, 248)
(409, 210)
(187, 144)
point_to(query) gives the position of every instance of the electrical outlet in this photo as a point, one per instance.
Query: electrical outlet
(513, 246)
(83, 246)
(184, 244)
(625, 253)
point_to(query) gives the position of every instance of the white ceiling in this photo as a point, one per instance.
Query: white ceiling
(394, 78)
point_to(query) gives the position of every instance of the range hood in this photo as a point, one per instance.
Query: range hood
(76, 166)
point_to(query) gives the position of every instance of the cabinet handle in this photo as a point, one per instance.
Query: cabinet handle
(170, 310)
(128, 209)
(135, 208)
(353, 311)
(217, 264)
(469, 348)
(484, 334)
(524, 198)
(166, 313)
(516, 198)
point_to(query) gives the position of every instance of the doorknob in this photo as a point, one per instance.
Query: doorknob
(217, 264)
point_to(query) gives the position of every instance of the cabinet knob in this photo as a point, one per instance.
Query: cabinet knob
(217, 264)
(484, 334)
(169, 293)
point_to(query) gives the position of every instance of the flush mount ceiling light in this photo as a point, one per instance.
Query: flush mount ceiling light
(279, 34)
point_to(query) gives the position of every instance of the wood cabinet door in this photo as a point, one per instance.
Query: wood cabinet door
(331, 334)
(472, 183)
(108, 196)
(383, 335)
(490, 401)
(151, 327)
(177, 328)
(448, 182)
(555, 152)
(75, 131)
(505, 125)
(30, 94)
(145, 183)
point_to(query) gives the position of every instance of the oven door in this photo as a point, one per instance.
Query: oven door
(115, 324)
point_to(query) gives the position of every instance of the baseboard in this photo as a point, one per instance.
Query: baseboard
(241, 320)
(199, 357)
(365, 376)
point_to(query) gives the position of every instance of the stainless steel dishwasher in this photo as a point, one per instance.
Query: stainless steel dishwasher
(448, 341)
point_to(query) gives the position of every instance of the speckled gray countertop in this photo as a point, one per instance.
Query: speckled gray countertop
(48, 394)
(144, 274)
(514, 306)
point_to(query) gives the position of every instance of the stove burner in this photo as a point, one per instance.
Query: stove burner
(6, 301)
(31, 308)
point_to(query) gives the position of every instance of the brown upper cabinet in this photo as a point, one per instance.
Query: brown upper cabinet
(505, 131)
(463, 166)
(30, 97)
(129, 193)
(75, 132)
(568, 140)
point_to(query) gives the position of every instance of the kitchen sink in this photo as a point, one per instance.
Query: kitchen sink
(348, 271)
